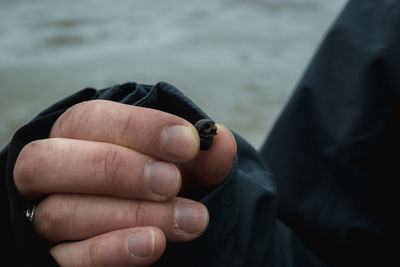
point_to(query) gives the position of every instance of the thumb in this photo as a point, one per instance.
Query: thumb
(211, 167)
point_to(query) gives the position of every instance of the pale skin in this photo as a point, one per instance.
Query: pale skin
(108, 178)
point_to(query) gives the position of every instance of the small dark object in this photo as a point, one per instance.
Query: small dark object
(206, 129)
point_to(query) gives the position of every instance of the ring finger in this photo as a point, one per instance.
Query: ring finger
(63, 217)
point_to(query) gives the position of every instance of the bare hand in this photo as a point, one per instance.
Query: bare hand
(109, 175)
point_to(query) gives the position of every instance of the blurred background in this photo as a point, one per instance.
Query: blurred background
(239, 60)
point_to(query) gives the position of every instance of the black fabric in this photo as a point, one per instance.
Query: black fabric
(334, 148)
(332, 151)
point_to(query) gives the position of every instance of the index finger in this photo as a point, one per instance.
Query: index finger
(152, 132)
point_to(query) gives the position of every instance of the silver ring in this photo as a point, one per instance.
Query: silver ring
(30, 213)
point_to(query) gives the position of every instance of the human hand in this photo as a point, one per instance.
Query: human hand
(109, 175)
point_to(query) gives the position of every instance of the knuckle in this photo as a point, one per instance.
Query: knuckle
(109, 166)
(52, 217)
(135, 125)
(93, 254)
(140, 213)
(72, 119)
(127, 127)
(26, 166)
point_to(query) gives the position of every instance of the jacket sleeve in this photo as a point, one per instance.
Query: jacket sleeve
(334, 147)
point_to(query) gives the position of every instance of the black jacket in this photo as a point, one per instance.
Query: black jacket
(321, 191)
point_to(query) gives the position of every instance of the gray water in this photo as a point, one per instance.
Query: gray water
(238, 60)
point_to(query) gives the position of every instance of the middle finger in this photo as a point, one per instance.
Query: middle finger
(59, 165)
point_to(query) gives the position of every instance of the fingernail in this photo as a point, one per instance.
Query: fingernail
(179, 141)
(191, 217)
(141, 244)
(163, 178)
